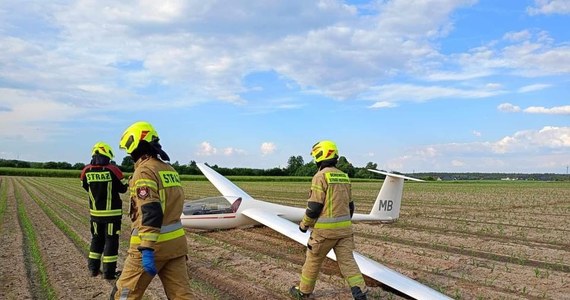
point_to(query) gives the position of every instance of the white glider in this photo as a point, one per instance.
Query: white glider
(238, 209)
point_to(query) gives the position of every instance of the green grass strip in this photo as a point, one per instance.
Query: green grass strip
(3, 200)
(33, 258)
(44, 189)
(60, 223)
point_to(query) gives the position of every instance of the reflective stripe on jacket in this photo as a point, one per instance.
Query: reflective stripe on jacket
(104, 185)
(331, 188)
(157, 196)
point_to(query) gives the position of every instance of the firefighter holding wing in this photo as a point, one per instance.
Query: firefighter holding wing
(158, 242)
(329, 213)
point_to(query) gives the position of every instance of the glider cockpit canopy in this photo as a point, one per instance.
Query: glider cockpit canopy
(212, 205)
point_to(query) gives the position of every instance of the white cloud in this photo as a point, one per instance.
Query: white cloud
(494, 86)
(382, 104)
(525, 53)
(39, 111)
(507, 107)
(533, 88)
(544, 148)
(417, 93)
(96, 53)
(560, 110)
(476, 133)
(106, 51)
(531, 140)
(557, 110)
(267, 148)
(206, 149)
(547, 7)
(457, 163)
(517, 36)
(230, 151)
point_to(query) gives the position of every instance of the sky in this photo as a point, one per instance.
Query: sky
(411, 85)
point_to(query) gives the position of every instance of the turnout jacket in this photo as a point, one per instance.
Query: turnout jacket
(103, 182)
(157, 200)
(330, 207)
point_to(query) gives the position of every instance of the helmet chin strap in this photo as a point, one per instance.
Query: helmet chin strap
(159, 150)
(100, 160)
(327, 163)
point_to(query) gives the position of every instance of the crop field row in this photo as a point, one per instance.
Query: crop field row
(468, 240)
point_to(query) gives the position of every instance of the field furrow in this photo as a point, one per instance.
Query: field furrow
(59, 210)
(469, 240)
(13, 275)
(65, 263)
(266, 271)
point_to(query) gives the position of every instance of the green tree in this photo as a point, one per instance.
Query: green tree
(345, 166)
(293, 164)
(308, 169)
(78, 166)
(50, 165)
(193, 168)
(364, 173)
(128, 165)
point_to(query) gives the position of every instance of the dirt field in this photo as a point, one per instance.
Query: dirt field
(493, 240)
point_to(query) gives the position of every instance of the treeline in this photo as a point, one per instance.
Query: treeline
(491, 176)
(296, 166)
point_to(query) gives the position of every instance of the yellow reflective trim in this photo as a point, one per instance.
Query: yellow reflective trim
(150, 236)
(95, 228)
(355, 280)
(317, 187)
(146, 182)
(109, 194)
(94, 255)
(110, 229)
(308, 281)
(329, 204)
(110, 259)
(337, 178)
(169, 178)
(163, 237)
(162, 196)
(333, 225)
(106, 213)
(91, 198)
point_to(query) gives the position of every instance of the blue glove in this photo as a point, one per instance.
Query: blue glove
(148, 261)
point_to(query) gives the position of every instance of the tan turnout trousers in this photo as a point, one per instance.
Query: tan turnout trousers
(317, 250)
(172, 274)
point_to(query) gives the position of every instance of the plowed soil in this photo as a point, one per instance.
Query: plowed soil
(469, 241)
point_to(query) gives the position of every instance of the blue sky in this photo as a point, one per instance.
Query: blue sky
(412, 85)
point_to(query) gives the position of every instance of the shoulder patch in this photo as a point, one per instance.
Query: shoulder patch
(143, 192)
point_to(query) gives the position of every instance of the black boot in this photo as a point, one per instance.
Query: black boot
(112, 276)
(94, 265)
(297, 294)
(357, 293)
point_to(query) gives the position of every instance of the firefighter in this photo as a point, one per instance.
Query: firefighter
(158, 242)
(103, 182)
(329, 213)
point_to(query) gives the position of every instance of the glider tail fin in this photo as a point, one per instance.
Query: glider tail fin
(387, 204)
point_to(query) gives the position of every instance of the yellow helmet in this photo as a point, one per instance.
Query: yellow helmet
(103, 149)
(324, 150)
(139, 131)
